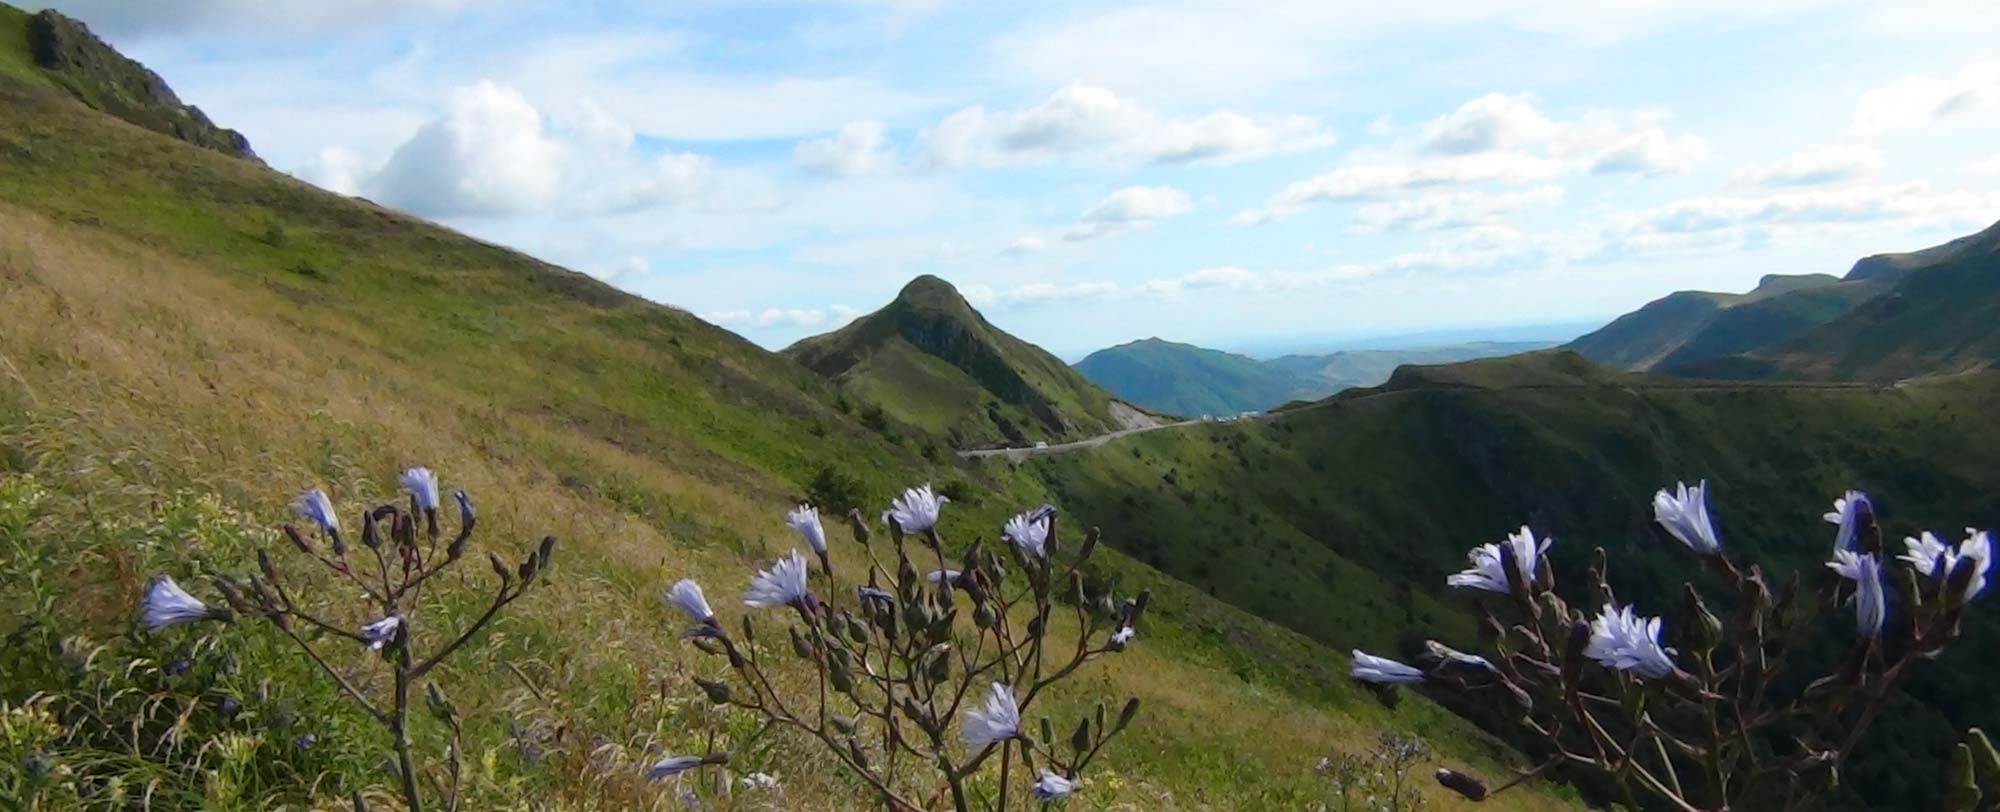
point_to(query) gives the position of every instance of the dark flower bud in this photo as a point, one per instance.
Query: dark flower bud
(371, 535)
(1090, 538)
(858, 526)
(527, 570)
(717, 691)
(749, 632)
(265, 566)
(232, 594)
(1700, 629)
(500, 567)
(940, 666)
(545, 552)
(1080, 740)
(1573, 649)
(982, 616)
(854, 750)
(440, 707)
(1125, 716)
(405, 527)
(800, 646)
(844, 725)
(297, 539)
(1471, 789)
(839, 676)
(1048, 733)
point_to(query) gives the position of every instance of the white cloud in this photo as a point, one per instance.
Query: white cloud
(491, 152)
(337, 169)
(1432, 210)
(1495, 139)
(1380, 180)
(1727, 222)
(1089, 123)
(859, 148)
(1816, 165)
(1023, 246)
(1915, 101)
(487, 154)
(1133, 208)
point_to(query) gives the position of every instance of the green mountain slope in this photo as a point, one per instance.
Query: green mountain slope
(1187, 380)
(1937, 313)
(1341, 519)
(1693, 325)
(191, 339)
(929, 359)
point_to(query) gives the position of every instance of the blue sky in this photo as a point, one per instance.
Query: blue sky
(1235, 174)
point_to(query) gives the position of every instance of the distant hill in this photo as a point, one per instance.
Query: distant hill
(1937, 312)
(63, 52)
(1184, 379)
(1334, 372)
(1187, 380)
(929, 359)
(1690, 325)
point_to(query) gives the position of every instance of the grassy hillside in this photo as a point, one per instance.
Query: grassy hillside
(1938, 314)
(1187, 380)
(929, 359)
(1692, 325)
(1341, 519)
(192, 339)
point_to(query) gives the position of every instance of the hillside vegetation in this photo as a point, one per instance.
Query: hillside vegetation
(192, 339)
(1341, 519)
(929, 359)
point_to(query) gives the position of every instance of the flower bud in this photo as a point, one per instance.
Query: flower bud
(1125, 716)
(717, 691)
(545, 552)
(858, 526)
(1090, 538)
(298, 539)
(1079, 741)
(500, 567)
(1700, 629)
(1469, 788)
(844, 725)
(799, 645)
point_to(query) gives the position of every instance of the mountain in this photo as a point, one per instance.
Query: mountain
(62, 52)
(1342, 518)
(1184, 379)
(1689, 325)
(1323, 375)
(930, 360)
(1187, 380)
(1937, 312)
(191, 339)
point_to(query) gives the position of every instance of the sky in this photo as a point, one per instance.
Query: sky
(1232, 174)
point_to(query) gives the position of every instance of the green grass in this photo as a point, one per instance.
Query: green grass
(192, 339)
(15, 61)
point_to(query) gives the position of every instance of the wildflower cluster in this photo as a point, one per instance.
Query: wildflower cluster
(1378, 780)
(1704, 723)
(403, 551)
(909, 698)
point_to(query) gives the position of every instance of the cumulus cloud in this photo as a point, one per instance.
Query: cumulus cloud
(1816, 165)
(491, 152)
(1915, 101)
(860, 148)
(336, 169)
(1085, 122)
(1495, 139)
(1133, 208)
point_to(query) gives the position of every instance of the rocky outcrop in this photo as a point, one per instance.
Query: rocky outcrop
(100, 76)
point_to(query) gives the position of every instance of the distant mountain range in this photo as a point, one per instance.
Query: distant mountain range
(1893, 316)
(930, 360)
(1184, 379)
